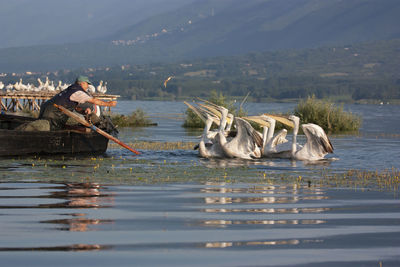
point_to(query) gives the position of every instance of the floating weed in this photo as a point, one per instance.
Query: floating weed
(157, 145)
(121, 170)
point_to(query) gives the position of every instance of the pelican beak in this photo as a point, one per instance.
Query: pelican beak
(196, 111)
(258, 120)
(211, 109)
(281, 119)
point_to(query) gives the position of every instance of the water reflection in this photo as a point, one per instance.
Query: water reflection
(225, 199)
(269, 163)
(252, 243)
(82, 196)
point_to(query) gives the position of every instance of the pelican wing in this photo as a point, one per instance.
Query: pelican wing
(249, 132)
(317, 138)
(279, 138)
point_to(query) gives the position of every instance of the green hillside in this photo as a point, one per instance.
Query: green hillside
(348, 73)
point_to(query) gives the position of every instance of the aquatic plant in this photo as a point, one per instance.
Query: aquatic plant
(136, 118)
(333, 119)
(158, 145)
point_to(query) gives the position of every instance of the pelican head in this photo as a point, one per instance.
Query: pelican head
(294, 119)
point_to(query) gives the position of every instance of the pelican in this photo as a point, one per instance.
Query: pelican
(91, 89)
(17, 86)
(104, 88)
(1, 85)
(245, 144)
(269, 141)
(51, 87)
(9, 87)
(99, 86)
(217, 111)
(59, 86)
(208, 149)
(316, 147)
(40, 82)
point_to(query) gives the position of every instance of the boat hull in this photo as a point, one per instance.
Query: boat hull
(13, 143)
(18, 143)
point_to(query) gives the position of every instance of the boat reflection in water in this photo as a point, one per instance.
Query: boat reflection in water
(273, 203)
(83, 199)
(81, 196)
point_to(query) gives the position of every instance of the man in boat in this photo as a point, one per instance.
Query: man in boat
(70, 98)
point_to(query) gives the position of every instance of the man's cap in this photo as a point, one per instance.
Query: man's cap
(83, 79)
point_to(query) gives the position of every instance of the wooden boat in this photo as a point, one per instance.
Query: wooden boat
(16, 143)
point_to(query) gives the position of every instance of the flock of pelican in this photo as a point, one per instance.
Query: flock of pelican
(48, 86)
(247, 143)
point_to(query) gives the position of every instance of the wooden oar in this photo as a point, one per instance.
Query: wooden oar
(94, 128)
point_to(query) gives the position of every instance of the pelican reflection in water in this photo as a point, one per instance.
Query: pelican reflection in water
(233, 206)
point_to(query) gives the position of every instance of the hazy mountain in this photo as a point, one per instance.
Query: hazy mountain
(215, 27)
(198, 28)
(33, 22)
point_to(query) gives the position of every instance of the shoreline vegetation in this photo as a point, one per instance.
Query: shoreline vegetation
(137, 118)
(325, 113)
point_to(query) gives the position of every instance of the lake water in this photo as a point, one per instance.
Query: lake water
(172, 208)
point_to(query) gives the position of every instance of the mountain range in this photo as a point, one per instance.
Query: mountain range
(187, 30)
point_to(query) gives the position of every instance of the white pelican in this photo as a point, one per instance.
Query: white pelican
(104, 88)
(40, 82)
(245, 144)
(271, 141)
(1, 85)
(316, 147)
(91, 89)
(99, 86)
(59, 86)
(64, 86)
(51, 87)
(9, 87)
(208, 149)
(217, 111)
